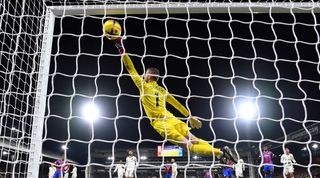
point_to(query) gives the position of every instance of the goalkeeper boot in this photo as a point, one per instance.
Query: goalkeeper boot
(227, 154)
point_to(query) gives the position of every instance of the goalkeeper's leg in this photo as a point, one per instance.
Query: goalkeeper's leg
(178, 133)
(186, 139)
(202, 147)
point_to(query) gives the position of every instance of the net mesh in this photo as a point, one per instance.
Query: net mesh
(252, 78)
(20, 36)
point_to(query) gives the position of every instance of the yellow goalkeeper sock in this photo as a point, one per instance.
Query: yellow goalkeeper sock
(204, 148)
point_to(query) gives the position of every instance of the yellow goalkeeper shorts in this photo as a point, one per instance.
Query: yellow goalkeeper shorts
(171, 128)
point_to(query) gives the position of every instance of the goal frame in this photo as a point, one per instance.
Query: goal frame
(35, 154)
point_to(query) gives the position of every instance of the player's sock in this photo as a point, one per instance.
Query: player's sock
(201, 149)
(204, 148)
(270, 176)
(216, 151)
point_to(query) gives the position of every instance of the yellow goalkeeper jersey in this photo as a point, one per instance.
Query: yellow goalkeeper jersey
(153, 96)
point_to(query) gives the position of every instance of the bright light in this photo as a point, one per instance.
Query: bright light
(90, 112)
(304, 149)
(5, 153)
(143, 158)
(247, 110)
(64, 147)
(315, 146)
(195, 157)
(13, 129)
(110, 158)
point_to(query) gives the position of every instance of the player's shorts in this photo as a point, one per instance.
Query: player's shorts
(168, 175)
(57, 174)
(268, 168)
(120, 175)
(129, 173)
(227, 173)
(171, 128)
(174, 175)
(239, 173)
(288, 169)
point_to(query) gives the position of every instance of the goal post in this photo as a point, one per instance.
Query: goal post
(20, 36)
(35, 154)
(34, 148)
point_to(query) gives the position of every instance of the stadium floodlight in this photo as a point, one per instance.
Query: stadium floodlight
(195, 157)
(90, 112)
(64, 147)
(247, 110)
(315, 146)
(143, 157)
(5, 153)
(13, 129)
(304, 149)
(110, 158)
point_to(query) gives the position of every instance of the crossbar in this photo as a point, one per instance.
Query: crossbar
(182, 8)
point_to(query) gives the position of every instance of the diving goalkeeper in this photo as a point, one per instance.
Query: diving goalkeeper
(154, 98)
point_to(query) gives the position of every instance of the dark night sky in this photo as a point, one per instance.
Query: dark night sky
(244, 65)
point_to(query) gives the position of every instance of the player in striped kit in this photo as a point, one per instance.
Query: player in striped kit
(227, 171)
(267, 157)
(288, 160)
(59, 168)
(168, 170)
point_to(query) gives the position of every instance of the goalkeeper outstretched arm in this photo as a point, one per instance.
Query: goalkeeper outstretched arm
(137, 79)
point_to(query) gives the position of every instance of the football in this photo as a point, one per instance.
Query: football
(112, 29)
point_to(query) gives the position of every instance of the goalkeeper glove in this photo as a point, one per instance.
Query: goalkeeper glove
(195, 123)
(119, 45)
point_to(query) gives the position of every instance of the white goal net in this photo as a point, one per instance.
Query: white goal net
(249, 70)
(21, 24)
